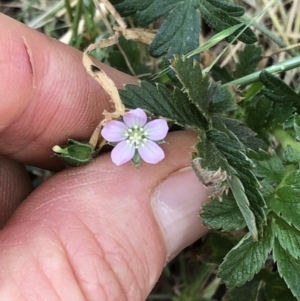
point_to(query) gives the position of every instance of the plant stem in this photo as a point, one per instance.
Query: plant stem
(289, 64)
(69, 10)
(78, 15)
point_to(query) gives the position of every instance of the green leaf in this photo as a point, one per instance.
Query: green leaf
(248, 60)
(258, 113)
(160, 101)
(288, 211)
(224, 214)
(220, 99)
(220, 15)
(221, 74)
(280, 114)
(288, 236)
(179, 34)
(278, 91)
(246, 259)
(290, 188)
(288, 268)
(210, 157)
(248, 292)
(267, 166)
(154, 11)
(290, 156)
(237, 131)
(130, 7)
(242, 165)
(194, 83)
(240, 196)
(297, 126)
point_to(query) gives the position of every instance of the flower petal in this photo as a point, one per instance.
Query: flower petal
(135, 117)
(122, 153)
(156, 129)
(151, 152)
(114, 131)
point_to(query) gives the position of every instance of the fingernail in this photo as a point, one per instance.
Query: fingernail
(176, 204)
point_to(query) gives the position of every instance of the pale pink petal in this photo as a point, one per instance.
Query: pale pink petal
(156, 129)
(151, 152)
(114, 131)
(122, 153)
(135, 117)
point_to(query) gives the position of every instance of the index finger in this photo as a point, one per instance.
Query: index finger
(46, 94)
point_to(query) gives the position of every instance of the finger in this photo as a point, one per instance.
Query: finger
(46, 94)
(15, 186)
(91, 233)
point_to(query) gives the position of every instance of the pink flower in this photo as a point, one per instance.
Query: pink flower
(135, 137)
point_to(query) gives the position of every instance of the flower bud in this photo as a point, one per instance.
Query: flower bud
(74, 153)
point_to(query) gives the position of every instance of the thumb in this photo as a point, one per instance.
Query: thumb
(102, 232)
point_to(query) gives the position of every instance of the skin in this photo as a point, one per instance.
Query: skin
(81, 235)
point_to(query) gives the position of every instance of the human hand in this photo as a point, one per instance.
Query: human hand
(95, 232)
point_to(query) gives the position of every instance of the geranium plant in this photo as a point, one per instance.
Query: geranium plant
(248, 125)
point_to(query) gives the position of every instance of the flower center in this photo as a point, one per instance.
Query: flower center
(136, 136)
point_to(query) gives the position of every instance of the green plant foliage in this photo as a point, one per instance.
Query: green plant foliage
(195, 84)
(75, 153)
(248, 60)
(268, 166)
(291, 156)
(160, 101)
(288, 268)
(215, 246)
(276, 289)
(223, 214)
(287, 236)
(290, 188)
(220, 99)
(278, 91)
(237, 131)
(246, 259)
(247, 292)
(217, 148)
(220, 15)
(180, 30)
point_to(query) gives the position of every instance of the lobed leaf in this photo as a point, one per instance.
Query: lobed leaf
(194, 83)
(179, 34)
(290, 188)
(249, 58)
(224, 214)
(246, 259)
(219, 18)
(220, 99)
(278, 91)
(287, 236)
(237, 131)
(268, 166)
(233, 152)
(160, 101)
(288, 268)
(290, 156)
(288, 211)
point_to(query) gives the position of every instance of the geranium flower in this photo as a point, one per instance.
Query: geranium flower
(136, 138)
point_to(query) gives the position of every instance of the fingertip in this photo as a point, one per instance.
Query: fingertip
(47, 94)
